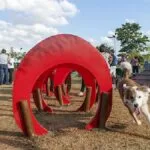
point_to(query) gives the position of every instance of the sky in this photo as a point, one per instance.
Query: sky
(24, 23)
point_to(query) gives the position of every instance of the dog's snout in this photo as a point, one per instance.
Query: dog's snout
(135, 105)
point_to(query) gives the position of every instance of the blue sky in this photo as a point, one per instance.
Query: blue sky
(97, 17)
(24, 23)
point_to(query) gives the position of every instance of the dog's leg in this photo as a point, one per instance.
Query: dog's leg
(133, 114)
(136, 118)
(146, 112)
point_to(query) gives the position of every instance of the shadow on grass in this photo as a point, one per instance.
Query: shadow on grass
(64, 121)
(16, 140)
(4, 90)
(6, 115)
(10, 133)
(118, 128)
(5, 98)
(5, 109)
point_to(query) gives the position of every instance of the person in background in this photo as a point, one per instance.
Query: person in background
(106, 55)
(113, 64)
(123, 58)
(11, 66)
(135, 65)
(3, 67)
(82, 89)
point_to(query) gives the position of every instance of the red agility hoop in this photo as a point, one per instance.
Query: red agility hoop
(59, 51)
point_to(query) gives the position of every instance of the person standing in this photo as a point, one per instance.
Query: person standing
(113, 63)
(135, 65)
(11, 66)
(106, 55)
(113, 67)
(3, 67)
(123, 58)
(82, 89)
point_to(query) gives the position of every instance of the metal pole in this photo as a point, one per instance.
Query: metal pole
(114, 40)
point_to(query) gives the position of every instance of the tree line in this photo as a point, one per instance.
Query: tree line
(132, 41)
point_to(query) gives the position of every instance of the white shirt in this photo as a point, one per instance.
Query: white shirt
(3, 59)
(11, 62)
(106, 57)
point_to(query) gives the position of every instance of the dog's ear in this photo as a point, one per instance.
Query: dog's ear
(145, 89)
(125, 86)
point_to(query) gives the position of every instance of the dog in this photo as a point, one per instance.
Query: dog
(134, 96)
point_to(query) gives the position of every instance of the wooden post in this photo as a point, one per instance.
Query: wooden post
(26, 117)
(68, 82)
(64, 88)
(87, 99)
(60, 94)
(48, 87)
(98, 96)
(103, 110)
(38, 99)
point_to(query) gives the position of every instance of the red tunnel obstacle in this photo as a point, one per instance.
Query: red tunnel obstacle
(60, 51)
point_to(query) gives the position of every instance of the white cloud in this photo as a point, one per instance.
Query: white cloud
(130, 21)
(106, 40)
(148, 33)
(111, 33)
(103, 40)
(48, 12)
(23, 35)
(93, 41)
(30, 21)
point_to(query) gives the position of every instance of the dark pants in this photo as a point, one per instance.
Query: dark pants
(3, 74)
(10, 70)
(82, 86)
(68, 82)
(51, 85)
(135, 69)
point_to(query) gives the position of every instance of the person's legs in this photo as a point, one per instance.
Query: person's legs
(137, 69)
(82, 86)
(81, 93)
(134, 70)
(1, 74)
(6, 74)
(68, 82)
(51, 85)
(10, 70)
(113, 74)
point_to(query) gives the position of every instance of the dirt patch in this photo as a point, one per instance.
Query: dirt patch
(66, 127)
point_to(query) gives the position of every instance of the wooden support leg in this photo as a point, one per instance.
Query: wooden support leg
(87, 99)
(103, 110)
(48, 87)
(25, 113)
(60, 94)
(38, 99)
(64, 88)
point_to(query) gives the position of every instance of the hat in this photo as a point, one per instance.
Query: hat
(3, 50)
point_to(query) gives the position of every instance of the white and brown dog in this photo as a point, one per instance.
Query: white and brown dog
(134, 96)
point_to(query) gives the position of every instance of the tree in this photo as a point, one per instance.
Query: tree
(132, 40)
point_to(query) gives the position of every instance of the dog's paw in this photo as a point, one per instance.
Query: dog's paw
(139, 123)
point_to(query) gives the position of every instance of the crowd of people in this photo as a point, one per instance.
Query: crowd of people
(113, 63)
(7, 63)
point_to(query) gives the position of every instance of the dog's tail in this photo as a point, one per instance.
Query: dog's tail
(127, 69)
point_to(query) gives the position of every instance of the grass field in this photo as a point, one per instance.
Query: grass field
(66, 127)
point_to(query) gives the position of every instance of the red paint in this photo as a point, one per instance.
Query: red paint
(64, 51)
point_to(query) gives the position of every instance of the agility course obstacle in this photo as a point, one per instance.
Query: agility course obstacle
(65, 53)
